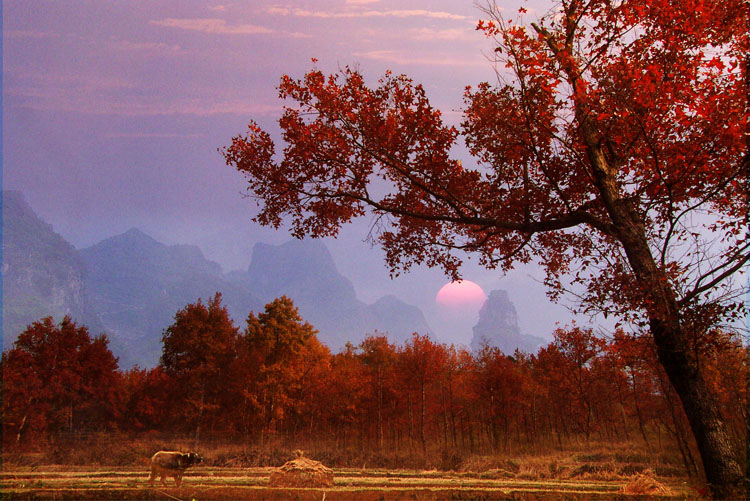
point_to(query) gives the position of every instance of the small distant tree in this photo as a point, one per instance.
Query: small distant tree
(346, 397)
(579, 347)
(379, 356)
(500, 388)
(279, 333)
(56, 378)
(198, 348)
(421, 363)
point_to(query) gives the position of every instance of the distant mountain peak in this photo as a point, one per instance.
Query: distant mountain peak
(43, 275)
(498, 327)
(498, 310)
(305, 271)
(299, 269)
(306, 254)
(135, 235)
(138, 284)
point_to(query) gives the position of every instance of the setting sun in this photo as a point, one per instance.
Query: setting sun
(461, 294)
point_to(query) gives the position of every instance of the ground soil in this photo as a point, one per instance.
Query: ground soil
(208, 483)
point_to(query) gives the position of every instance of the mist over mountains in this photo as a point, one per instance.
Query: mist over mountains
(304, 271)
(137, 284)
(130, 286)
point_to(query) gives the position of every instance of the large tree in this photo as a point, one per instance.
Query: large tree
(613, 149)
(199, 347)
(55, 379)
(286, 360)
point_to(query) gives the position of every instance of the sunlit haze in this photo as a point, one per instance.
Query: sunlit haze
(113, 113)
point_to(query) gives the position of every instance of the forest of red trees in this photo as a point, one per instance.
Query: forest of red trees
(273, 380)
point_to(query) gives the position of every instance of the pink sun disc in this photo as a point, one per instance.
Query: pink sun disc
(461, 294)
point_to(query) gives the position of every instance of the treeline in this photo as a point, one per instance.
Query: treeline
(274, 380)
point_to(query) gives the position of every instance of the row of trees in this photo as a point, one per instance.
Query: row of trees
(275, 379)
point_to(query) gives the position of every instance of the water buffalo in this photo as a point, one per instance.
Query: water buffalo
(165, 463)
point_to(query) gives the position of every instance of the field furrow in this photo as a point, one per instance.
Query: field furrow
(252, 483)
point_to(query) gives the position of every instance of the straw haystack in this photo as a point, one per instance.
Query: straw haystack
(302, 472)
(645, 484)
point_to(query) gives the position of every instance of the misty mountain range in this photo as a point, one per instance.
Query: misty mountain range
(130, 286)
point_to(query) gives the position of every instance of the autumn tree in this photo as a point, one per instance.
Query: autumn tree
(500, 387)
(421, 361)
(198, 347)
(612, 149)
(56, 378)
(379, 356)
(284, 354)
(345, 399)
(148, 395)
(633, 352)
(579, 347)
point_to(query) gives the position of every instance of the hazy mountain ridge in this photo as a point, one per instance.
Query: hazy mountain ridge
(137, 285)
(130, 286)
(305, 271)
(42, 273)
(498, 327)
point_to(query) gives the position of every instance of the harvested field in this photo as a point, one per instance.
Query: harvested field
(64, 482)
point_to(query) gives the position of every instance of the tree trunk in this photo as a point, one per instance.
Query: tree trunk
(680, 362)
(722, 469)
(638, 408)
(421, 423)
(678, 431)
(21, 429)
(380, 408)
(673, 346)
(200, 414)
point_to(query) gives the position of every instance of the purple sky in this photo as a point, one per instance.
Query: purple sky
(113, 112)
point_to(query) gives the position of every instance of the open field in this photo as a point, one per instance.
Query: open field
(203, 483)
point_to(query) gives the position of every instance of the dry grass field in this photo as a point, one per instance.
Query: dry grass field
(111, 467)
(221, 483)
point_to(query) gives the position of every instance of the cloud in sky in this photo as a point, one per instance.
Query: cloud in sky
(69, 101)
(322, 14)
(430, 34)
(212, 26)
(409, 59)
(24, 81)
(151, 47)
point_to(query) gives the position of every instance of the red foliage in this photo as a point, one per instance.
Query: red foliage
(613, 151)
(57, 379)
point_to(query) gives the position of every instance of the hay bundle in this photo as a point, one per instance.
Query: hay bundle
(645, 483)
(302, 472)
